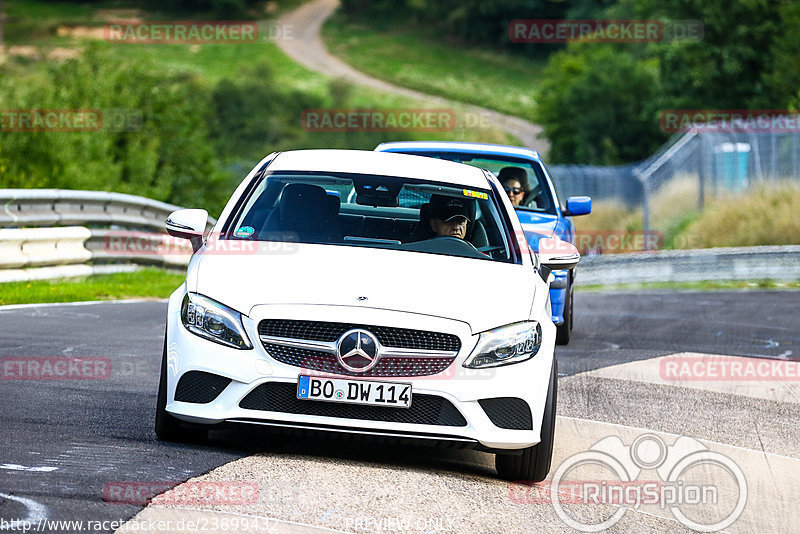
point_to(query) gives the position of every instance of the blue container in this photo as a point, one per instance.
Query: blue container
(730, 166)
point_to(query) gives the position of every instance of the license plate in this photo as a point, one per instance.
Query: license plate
(390, 394)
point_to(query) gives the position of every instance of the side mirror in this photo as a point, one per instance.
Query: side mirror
(578, 206)
(556, 254)
(188, 224)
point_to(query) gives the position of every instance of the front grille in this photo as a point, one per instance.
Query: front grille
(424, 409)
(508, 412)
(327, 363)
(401, 338)
(199, 387)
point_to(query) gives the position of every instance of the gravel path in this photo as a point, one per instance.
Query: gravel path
(307, 48)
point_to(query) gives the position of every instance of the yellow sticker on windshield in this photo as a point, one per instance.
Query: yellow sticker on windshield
(475, 194)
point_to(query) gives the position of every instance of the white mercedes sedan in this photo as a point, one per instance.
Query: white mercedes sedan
(366, 293)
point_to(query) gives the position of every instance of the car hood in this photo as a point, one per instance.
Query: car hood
(484, 294)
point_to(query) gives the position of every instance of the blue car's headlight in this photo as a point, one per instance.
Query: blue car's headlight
(212, 320)
(503, 346)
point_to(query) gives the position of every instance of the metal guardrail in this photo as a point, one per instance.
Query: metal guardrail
(34, 247)
(714, 264)
(114, 246)
(49, 233)
(65, 207)
(42, 253)
(36, 253)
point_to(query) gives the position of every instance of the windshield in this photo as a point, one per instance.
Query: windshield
(373, 211)
(513, 173)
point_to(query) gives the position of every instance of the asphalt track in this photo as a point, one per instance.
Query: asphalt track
(64, 441)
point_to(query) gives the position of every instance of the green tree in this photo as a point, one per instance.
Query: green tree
(781, 78)
(162, 151)
(599, 106)
(724, 69)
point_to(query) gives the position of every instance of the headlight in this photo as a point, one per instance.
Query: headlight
(509, 344)
(212, 320)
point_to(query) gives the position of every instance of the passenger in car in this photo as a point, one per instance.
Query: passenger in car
(515, 183)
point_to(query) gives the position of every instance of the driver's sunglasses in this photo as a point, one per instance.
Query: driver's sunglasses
(515, 190)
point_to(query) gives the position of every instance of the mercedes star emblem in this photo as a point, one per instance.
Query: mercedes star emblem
(357, 351)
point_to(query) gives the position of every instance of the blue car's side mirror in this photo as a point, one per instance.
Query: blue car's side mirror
(578, 206)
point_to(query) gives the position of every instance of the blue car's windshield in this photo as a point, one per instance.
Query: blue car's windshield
(537, 196)
(373, 211)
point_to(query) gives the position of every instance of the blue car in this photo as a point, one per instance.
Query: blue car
(539, 210)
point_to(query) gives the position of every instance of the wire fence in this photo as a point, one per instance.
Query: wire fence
(601, 183)
(689, 169)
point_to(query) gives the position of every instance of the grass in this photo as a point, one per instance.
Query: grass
(34, 21)
(762, 215)
(699, 286)
(145, 283)
(212, 63)
(601, 229)
(415, 59)
(216, 62)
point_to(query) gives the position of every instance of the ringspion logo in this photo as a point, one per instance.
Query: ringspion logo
(702, 489)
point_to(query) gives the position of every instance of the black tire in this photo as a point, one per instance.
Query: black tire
(167, 427)
(563, 331)
(534, 462)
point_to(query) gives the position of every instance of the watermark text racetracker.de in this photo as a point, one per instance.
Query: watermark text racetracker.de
(730, 120)
(54, 368)
(394, 120)
(25, 368)
(592, 490)
(309, 367)
(617, 241)
(70, 120)
(192, 493)
(378, 120)
(711, 367)
(603, 31)
(134, 243)
(196, 32)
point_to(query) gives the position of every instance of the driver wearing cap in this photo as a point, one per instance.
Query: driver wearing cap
(449, 216)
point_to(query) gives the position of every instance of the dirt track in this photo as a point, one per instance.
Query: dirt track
(307, 48)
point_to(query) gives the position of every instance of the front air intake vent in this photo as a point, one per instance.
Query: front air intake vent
(511, 413)
(199, 387)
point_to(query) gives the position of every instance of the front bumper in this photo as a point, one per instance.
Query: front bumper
(462, 388)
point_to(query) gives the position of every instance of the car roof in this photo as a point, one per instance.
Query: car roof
(380, 163)
(450, 146)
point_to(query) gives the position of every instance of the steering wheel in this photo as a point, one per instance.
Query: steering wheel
(463, 242)
(454, 239)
